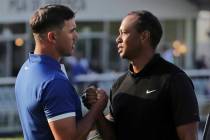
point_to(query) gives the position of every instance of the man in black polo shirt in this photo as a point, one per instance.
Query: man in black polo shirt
(154, 100)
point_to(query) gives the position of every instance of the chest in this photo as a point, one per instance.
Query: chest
(143, 96)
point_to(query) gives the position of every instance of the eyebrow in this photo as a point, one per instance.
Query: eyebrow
(73, 28)
(123, 30)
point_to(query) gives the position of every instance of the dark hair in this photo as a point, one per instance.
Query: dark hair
(49, 17)
(148, 22)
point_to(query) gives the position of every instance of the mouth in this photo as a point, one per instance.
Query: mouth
(73, 45)
(120, 48)
(72, 48)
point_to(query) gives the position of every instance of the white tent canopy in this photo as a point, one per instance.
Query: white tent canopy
(116, 9)
(99, 10)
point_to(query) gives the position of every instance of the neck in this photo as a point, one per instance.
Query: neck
(139, 63)
(44, 49)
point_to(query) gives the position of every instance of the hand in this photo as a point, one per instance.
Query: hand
(102, 99)
(93, 96)
(89, 97)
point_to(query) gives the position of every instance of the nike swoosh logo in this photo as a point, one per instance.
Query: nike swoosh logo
(150, 91)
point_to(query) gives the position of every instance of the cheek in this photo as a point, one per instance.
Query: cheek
(134, 41)
(70, 38)
(128, 42)
(125, 40)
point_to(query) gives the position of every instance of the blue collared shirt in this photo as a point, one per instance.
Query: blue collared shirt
(44, 94)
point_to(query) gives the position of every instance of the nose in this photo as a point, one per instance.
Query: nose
(118, 39)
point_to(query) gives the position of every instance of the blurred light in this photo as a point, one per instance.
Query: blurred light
(19, 42)
(176, 53)
(183, 49)
(179, 48)
(176, 44)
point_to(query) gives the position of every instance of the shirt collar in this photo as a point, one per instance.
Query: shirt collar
(147, 68)
(34, 58)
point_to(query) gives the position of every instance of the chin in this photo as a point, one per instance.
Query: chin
(123, 56)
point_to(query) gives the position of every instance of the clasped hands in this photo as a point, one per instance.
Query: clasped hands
(93, 96)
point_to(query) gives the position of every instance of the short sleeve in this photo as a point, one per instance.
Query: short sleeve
(59, 100)
(183, 100)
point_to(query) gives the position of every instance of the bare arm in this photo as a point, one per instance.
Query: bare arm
(105, 128)
(68, 129)
(104, 125)
(188, 131)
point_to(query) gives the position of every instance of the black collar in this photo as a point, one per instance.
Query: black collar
(150, 66)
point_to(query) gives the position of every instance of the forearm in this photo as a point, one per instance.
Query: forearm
(188, 131)
(96, 100)
(105, 128)
(85, 125)
(188, 137)
(69, 129)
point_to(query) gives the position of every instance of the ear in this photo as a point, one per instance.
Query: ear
(145, 36)
(51, 36)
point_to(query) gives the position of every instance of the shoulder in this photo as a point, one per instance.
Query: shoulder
(166, 73)
(163, 67)
(117, 84)
(175, 73)
(119, 81)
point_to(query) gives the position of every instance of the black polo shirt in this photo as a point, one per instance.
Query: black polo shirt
(150, 105)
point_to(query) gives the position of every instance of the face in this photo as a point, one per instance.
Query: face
(128, 40)
(66, 38)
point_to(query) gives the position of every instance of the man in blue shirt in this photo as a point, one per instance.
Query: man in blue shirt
(48, 106)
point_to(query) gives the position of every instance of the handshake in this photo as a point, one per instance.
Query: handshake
(93, 96)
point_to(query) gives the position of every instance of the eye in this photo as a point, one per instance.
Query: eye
(72, 30)
(124, 32)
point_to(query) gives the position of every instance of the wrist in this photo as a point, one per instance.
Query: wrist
(100, 116)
